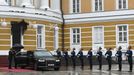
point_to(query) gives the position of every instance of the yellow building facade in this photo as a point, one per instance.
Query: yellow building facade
(102, 23)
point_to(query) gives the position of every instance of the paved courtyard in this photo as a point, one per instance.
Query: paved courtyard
(77, 71)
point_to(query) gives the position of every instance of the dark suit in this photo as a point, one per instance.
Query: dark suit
(99, 57)
(129, 54)
(109, 59)
(119, 59)
(58, 54)
(73, 58)
(11, 59)
(90, 59)
(65, 54)
(80, 54)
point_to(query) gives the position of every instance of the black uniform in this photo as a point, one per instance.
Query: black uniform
(11, 59)
(73, 58)
(58, 54)
(65, 54)
(90, 54)
(80, 54)
(108, 55)
(119, 59)
(129, 54)
(99, 57)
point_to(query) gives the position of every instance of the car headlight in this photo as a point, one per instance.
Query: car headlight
(41, 60)
(57, 60)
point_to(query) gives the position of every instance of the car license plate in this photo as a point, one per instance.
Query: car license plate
(50, 64)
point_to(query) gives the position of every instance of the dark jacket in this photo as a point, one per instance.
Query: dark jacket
(99, 55)
(108, 54)
(73, 54)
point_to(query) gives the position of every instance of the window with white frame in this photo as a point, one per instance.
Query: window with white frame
(122, 33)
(40, 37)
(9, 2)
(75, 6)
(97, 5)
(122, 4)
(98, 36)
(76, 35)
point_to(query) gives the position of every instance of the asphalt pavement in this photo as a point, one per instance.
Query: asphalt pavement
(77, 71)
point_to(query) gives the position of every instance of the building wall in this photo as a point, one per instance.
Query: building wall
(109, 5)
(130, 4)
(109, 33)
(29, 36)
(86, 5)
(65, 6)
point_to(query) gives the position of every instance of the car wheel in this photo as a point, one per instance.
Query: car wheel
(56, 69)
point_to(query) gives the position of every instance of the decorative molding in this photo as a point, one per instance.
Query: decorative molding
(30, 13)
(106, 16)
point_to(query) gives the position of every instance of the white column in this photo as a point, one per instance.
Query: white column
(55, 5)
(3, 2)
(27, 3)
(44, 4)
(56, 43)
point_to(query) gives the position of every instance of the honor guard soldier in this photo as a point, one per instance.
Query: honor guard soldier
(58, 53)
(99, 57)
(73, 57)
(89, 56)
(129, 54)
(80, 55)
(119, 58)
(108, 55)
(66, 56)
(11, 58)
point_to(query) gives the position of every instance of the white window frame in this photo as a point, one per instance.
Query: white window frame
(43, 35)
(93, 39)
(117, 5)
(22, 40)
(71, 37)
(93, 6)
(101, 32)
(71, 6)
(117, 34)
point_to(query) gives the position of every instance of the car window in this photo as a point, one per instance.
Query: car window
(42, 53)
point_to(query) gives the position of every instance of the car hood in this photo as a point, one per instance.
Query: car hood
(47, 58)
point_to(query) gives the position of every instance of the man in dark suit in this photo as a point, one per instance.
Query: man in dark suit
(80, 55)
(73, 57)
(66, 56)
(108, 55)
(99, 57)
(11, 58)
(58, 53)
(119, 57)
(129, 54)
(90, 56)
